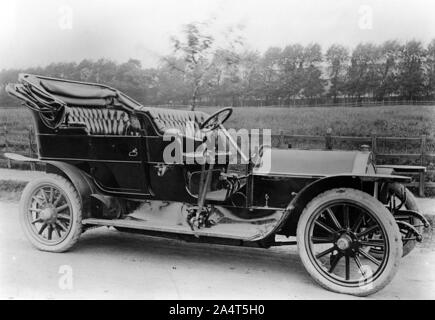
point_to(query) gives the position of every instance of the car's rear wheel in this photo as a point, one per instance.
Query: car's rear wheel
(334, 241)
(50, 213)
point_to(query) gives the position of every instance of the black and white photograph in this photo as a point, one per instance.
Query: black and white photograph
(217, 150)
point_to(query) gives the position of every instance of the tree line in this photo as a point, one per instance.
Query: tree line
(199, 72)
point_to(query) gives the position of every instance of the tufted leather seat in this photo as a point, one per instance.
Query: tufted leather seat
(103, 121)
(100, 121)
(184, 122)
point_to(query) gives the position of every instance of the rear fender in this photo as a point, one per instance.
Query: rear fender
(82, 182)
(364, 183)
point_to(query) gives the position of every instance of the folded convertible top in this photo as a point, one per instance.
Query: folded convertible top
(51, 96)
(70, 92)
(76, 90)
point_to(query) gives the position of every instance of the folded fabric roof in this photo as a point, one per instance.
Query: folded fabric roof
(78, 93)
(76, 90)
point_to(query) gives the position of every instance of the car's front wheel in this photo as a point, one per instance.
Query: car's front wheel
(334, 241)
(50, 213)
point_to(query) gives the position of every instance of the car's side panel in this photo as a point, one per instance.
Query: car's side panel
(113, 161)
(63, 147)
(277, 191)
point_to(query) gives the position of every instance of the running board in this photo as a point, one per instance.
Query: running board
(233, 232)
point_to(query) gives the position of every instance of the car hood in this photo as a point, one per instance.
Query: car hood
(312, 162)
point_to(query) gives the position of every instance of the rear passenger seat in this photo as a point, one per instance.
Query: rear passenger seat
(101, 121)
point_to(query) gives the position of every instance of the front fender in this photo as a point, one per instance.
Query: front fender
(364, 182)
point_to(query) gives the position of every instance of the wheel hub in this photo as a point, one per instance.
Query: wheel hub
(344, 242)
(49, 214)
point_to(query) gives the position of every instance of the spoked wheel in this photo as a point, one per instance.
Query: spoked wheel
(50, 213)
(334, 242)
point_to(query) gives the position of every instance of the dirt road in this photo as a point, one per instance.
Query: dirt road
(109, 264)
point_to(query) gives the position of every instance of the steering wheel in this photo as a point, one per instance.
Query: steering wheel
(216, 119)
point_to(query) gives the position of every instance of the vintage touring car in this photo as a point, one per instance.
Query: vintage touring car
(103, 153)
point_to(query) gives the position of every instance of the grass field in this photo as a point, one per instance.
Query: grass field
(397, 121)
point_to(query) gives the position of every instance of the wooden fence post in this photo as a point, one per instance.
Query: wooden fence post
(422, 149)
(7, 146)
(422, 162)
(281, 139)
(32, 164)
(421, 183)
(328, 139)
(374, 146)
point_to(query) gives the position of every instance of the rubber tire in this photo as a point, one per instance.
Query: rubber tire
(410, 204)
(71, 193)
(375, 207)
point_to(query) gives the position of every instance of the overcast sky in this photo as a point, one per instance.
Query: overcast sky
(37, 32)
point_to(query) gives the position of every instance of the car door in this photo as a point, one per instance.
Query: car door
(116, 163)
